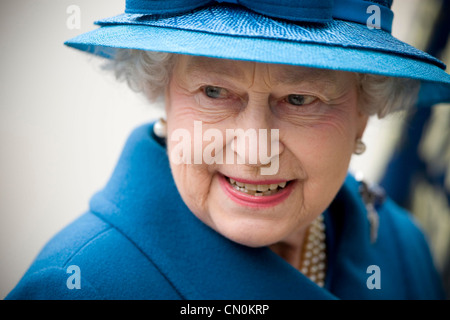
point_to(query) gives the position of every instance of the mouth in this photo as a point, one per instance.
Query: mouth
(258, 190)
(256, 193)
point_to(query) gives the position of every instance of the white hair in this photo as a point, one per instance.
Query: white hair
(382, 95)
(149, 72)
(144, 71)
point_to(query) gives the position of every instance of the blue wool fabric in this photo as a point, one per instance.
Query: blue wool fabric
(140, 241)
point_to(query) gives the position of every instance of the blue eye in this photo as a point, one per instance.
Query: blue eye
(299, 99)
(214, 92)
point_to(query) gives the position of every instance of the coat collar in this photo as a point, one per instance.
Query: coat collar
(142, 202)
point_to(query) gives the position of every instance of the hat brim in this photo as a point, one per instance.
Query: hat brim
(395, 62)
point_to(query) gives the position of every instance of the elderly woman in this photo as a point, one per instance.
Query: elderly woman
(243, 191)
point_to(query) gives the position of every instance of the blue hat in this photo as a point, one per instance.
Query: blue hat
(347, 35)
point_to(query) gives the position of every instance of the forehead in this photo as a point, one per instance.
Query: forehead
(278, 73)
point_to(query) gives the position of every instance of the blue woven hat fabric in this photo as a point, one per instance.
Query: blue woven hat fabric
(234, 32)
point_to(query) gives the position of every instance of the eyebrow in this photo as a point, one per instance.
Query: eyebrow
(198, 65)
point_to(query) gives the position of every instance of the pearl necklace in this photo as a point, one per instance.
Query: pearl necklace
(313, 260)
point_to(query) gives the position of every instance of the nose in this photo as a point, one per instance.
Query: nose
(255, 140)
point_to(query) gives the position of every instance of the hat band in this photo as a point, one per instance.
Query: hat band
(364, 12)
(360, 11)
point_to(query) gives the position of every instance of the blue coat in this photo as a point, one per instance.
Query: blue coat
(140, 241)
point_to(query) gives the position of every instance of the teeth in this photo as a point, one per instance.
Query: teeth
(263, 187)
(257, 189)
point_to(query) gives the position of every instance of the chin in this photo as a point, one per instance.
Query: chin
(250, 231)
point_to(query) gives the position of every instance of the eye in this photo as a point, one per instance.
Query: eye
(299, 99)
(215, 92)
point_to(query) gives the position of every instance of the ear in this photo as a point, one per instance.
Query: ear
(362, 121)
(167, 102)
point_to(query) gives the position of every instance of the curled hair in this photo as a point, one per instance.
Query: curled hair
(149, 72)
(144, 71)
(382, 95)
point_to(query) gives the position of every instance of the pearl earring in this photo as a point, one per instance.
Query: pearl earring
(160, 128)
(360, 147)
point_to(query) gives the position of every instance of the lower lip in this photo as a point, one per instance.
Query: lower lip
(255, 201)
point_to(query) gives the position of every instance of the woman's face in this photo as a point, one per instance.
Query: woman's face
(317, 119)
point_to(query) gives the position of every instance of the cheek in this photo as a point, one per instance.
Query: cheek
(323, 151)
(328, 139)
(332, 141)
(193, 181)
(193, 178)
